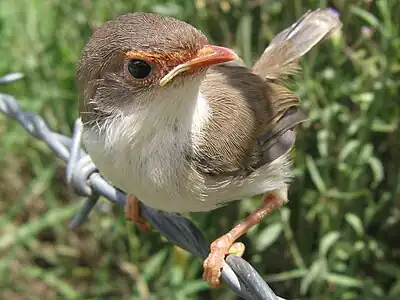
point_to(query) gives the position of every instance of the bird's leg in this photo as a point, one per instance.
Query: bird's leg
(225, 244)
(133, 213)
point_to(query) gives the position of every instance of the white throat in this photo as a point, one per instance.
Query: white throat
(144, 151)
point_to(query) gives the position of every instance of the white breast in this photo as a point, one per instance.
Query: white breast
(143, 153)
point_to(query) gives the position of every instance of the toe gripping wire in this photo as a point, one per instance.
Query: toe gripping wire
(83, 176)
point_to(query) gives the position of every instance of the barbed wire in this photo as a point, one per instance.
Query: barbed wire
(83, 176)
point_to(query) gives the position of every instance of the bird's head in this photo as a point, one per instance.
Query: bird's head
(141, 58)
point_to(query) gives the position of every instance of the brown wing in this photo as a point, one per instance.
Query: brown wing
(250, 118)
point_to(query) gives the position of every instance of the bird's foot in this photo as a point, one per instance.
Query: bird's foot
(225, 244)
(213, 263)
(133, 213)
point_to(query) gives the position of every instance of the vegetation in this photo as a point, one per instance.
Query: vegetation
(336, 239)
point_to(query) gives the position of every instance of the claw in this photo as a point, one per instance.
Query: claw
(237, 249)
(213, 263)
(225, 244)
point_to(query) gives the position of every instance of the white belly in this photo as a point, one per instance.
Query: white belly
(153, 171)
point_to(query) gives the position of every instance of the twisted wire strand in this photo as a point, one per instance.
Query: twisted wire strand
(83, 176)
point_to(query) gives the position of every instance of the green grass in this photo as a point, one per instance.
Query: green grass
(338, 238)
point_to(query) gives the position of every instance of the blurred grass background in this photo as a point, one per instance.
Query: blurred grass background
(338, 238)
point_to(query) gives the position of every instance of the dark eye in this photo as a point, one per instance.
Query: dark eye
(139, 69)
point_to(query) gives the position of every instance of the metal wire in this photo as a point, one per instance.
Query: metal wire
(82, 175)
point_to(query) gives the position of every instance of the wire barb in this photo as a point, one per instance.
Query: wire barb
(82, 175)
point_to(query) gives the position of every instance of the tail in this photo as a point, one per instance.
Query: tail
(280, 58)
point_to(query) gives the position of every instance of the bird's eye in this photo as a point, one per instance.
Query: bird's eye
(139, 69)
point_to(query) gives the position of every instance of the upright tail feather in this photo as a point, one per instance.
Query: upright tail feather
(280, 58)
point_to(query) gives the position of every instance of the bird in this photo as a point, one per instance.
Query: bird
(185, 126)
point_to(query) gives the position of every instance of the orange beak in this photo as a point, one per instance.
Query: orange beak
(207, 56)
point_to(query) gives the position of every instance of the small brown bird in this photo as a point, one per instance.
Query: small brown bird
(184, 125)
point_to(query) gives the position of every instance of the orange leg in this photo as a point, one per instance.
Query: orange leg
(223, 245)
(133, 213)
